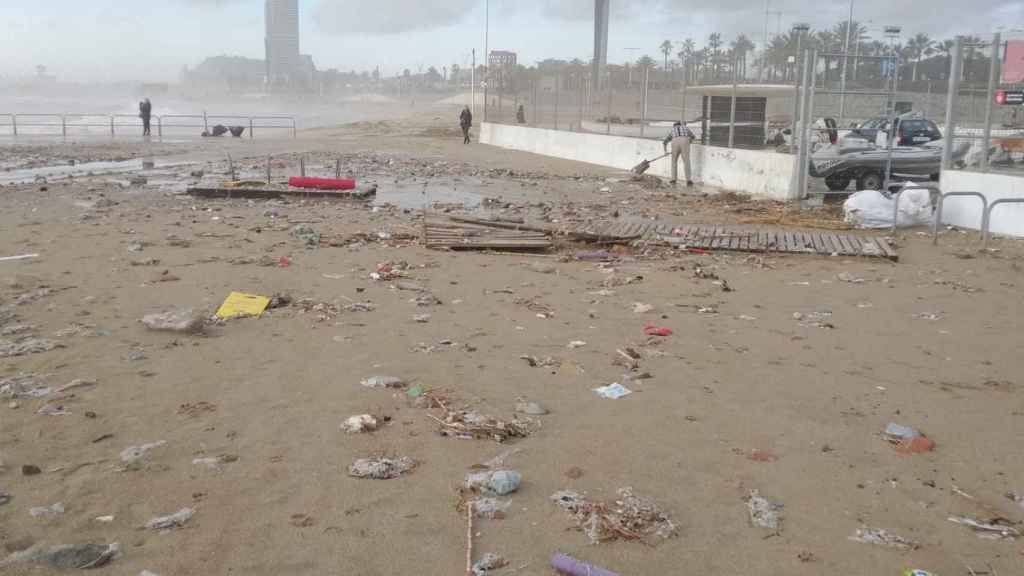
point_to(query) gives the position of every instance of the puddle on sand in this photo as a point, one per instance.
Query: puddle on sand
(417, 196)
(85, 169)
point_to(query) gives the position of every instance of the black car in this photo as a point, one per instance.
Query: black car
(909, 131)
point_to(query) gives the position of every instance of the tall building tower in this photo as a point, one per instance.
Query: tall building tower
(602, 9)
(282, 41)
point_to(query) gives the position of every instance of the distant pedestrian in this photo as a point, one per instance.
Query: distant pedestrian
(466, 121)
(521, 115)
(145, 112)
(680, 137)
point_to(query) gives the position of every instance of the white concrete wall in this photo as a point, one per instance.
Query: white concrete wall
(755, 172)
(1007, 219)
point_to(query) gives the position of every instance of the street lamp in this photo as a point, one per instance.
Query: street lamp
(800, 28)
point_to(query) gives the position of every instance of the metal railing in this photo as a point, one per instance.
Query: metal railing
(52, 124)
(938, 212)
(986, 223)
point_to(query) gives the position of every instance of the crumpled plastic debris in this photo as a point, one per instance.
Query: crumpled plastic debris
(28, 346)
(359, 424)
(214, 463)
(5, 497)
(176, 520)
(763, 513)
(882, 538)
(307, 234)
(24, 386)
(490, 508)
(133, 454)
(497, 482)
(487, 563)
(383, 382)
(613, 391)
(184, 321)
(381, 468)
(997, 529)
(657, 331)
(630, 517)
(51, 511)
(71, 556)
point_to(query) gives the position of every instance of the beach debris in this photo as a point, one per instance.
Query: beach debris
(490, 508)
(576, 344)
(171, 521)
(9, 349)
(104, 519)
(613, 391)
(421, 318)
(641, 308)
(76, 384)
(629, 517)
(469, 424)
(389, 271)
(133, 454)
(5, 497)
(494, 482)
(309, 236)
(214, 463)
(917, 572)
(1016, 498)
(54, 408)
(530, 408)
(239, 304)
(359, 424)
(814, 319)
(381, 468)
(74, 556)
(657, 331)
(849, 278)
(30, 470)
(995, 529)
(883, 537)
(572, 567)
(383, 382)
(51, 511)
(24, 386)
(185, 321)
(18, 257)
(546, 362)
(489, 562)
(907, 440)
(763, 513)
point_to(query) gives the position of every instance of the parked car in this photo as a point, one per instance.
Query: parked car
(910, 131)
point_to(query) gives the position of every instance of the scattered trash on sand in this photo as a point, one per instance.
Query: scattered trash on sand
(24, 386)
(30, 470)
(1016, 498)
(181, 321)
(495, 483)
(490, 508)
(5, 497)
(359, 424)
(907, 440)
(51, 511)
(381, 468)
(389, 271)
(309, 236)
(469, 424)
(489, 562)
(613, 391)
(27, 346)
(134, 454)
(216, 462)
(530, 408)
(171, 521)
(70, 556)
(995, 529)
(763, 513)
(641, 308)
(849, 278)
(239, 304)
(629, 517)
(873, 209)
(576, 344)
(572, 567)
(383, 382)
(421, 318)
(814, 319)
(883, 538)
(657, 331)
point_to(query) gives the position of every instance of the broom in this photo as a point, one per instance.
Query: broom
(642, 167)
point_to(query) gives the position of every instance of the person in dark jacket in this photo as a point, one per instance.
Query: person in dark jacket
(145, 112)
(521, 115)
(466, 121)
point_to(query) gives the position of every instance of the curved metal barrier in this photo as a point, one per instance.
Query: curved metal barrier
(938, 212)
(18, 123)
(987, 221)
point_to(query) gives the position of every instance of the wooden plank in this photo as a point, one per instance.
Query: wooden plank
(808, 242)
(855, 241)
(826, 238)
(819, 242)
(847, 245)
(887, 250)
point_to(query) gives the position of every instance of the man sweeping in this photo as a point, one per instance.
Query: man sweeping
(680, 137)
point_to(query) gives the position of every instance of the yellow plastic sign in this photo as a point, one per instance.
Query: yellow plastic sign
(241, 304)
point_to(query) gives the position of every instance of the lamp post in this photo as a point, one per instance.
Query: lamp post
(487, 51)
(846, 63)
(893, 34)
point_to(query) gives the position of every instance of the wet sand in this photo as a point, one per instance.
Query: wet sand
(931, 342)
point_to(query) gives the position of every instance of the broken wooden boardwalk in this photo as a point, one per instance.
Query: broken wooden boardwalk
(472, 234)
(745, 239)
(270, 192)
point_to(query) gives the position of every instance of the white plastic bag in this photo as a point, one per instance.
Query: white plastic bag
(872, 209)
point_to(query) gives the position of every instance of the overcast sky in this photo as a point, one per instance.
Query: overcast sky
(153, 39)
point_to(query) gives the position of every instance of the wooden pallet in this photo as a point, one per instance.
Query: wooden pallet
(452, 235)
(744, 239)
(270, 192)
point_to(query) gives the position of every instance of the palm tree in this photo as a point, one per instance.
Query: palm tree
(715, 47)
(666, 49)
(946, 49)
(777, 56)
(686, 56)
(918, 47)
(826, 40)
(741, 46)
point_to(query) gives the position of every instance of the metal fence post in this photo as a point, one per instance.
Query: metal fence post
(732, 107)
(951, 96)
(159, 128)
(682, 114)
(557, 78)
(643, 99)
(251, 136)
(206, 125)
(64, 126)
(302, 166)
(111, 125)
(808, 113)
(993, 80)
(800, 175)
(608, 117)
(268, 169)
(14, 123)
